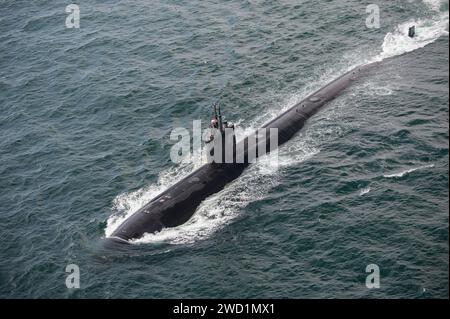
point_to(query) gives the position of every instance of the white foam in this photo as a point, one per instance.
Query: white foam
(364, 191)
(398, 42)
(218, 210)
(407, 171)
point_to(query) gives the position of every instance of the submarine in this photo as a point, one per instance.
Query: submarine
(178, 203)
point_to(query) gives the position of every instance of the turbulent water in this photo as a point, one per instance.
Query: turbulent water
(86, 116)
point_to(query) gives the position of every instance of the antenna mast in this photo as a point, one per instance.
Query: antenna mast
(220, 120)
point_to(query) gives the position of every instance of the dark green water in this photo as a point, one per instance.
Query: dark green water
(85, 121)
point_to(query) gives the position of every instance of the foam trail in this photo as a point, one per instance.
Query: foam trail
(407, 171)
(364, 191)
(216, 211)
(428, 30)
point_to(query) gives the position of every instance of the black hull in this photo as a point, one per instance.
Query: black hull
(178, 203)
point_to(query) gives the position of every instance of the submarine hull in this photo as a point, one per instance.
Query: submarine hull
(178, 203)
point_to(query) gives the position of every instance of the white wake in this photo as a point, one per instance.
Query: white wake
(407, 171)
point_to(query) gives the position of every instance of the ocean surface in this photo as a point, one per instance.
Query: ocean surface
(85, 120)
